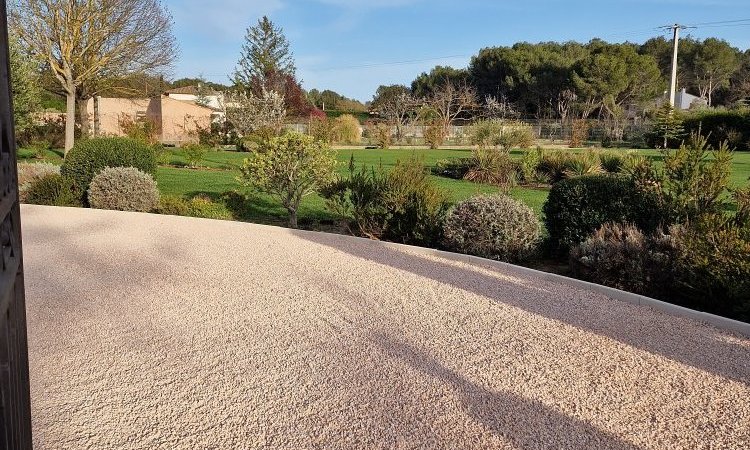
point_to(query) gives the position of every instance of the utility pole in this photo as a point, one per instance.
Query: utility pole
(673, 82)
(675, 46)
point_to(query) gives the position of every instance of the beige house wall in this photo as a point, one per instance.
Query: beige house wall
(177, 121)
(181, 120)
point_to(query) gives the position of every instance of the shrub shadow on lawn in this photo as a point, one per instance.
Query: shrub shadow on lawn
(654, 332)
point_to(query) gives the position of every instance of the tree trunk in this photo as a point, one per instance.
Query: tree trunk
(293, 218)
(83, 115)
(70, 119)
(96, 116)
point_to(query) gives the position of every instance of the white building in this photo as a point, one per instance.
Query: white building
(212, 99)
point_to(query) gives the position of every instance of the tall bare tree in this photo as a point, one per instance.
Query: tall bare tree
(451, 101)
(86, 41)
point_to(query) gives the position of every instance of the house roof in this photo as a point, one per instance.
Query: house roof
(190, 90)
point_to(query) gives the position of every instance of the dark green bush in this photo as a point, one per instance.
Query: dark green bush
(52, 190)
(713, 267)
(402, 205)
(576, 207)
(455, 168)
(732, 126)
(90, 156)
(492, 226)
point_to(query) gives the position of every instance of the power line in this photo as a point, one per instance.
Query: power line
(392, 63)
(719, 22)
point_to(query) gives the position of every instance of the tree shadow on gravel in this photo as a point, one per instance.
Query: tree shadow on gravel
(656, 332)
(525, 423)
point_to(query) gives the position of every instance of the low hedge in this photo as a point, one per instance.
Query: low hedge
(732, 126)
(90, 156)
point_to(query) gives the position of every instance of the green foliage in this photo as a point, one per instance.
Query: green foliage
(492, 167)
(500, 134)
(123, 189)
(172, 205)
(199, 206)
(322, 129)
(289, 167)
(426, 84)
(265, 54)
(194, 154)
(622, 257)
(28, 173)
(612, 162)
(328, 100)
(554, 164)
(718, 125)
(713, 267)
(434, 135)
(692, 183)
(90, 156)
(203, 207)
(348, 130)
(530, 162)
(383, 136)
(668, 126)
(455, 168)
(581, 164)
(26, 89)
(496, 227)
(401, 205)
(52, 190)
(576, 207)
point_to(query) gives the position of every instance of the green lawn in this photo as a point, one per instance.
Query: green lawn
(216, 177)
(224, 168)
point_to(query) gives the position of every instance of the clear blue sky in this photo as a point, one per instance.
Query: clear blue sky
(346, 45)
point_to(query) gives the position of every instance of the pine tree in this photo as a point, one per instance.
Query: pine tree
(668, 124)
(266, 60)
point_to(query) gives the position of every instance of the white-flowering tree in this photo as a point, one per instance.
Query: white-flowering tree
(250, 114)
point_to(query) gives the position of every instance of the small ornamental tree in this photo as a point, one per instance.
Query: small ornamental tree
(668, 124)
(290, 168)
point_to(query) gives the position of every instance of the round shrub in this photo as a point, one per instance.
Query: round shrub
(576, 207)
(30, 172)
(496, 227)
(90, 156)
(621, 256)
(123, 189)
(52, 190)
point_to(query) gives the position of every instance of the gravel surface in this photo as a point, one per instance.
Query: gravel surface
(159, 332)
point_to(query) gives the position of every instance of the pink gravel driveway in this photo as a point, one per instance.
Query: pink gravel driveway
(160, 332)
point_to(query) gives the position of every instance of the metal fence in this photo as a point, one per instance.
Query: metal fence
(555, 132)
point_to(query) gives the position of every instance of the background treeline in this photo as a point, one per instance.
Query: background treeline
(552, 80)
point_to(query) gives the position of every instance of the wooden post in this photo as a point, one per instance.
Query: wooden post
(15, 405)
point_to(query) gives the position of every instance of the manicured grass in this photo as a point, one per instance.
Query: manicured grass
(264, 208)
(218, 170)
